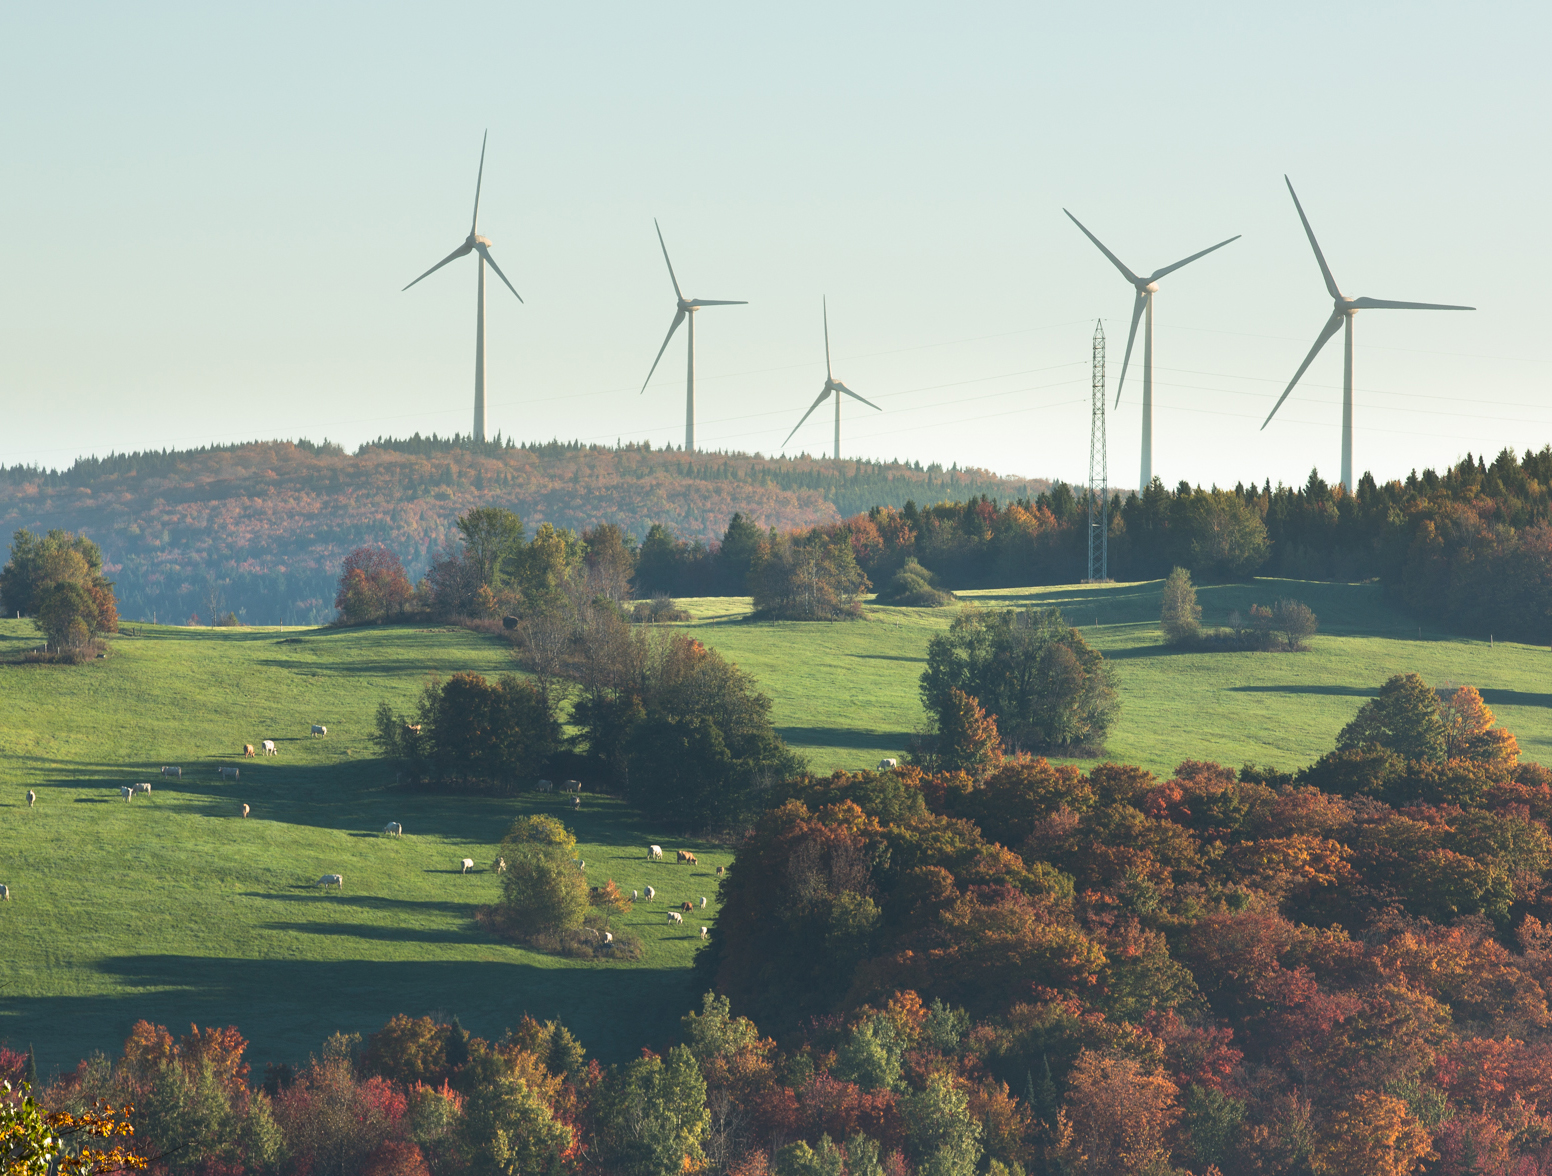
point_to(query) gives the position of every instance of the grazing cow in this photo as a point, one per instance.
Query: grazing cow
(126, 791)
(245, 812)
(576, 802)
(269, 747)
(572, 785)
(146, 788)
(634, 896)
(885, 764)
(412, 728)
(247, 750)
(688, 857)
(178, 772)
(581, 865)
(703, 933)
(651, 894)
(468, 864)
(546, 786)
(676, 917)
(703, 902)
(228, 773)
(332, 880)
(320, 729)
(393, 828)
(608, 938)
(5, 893)
(32, 798)
(686, 906)
(500, 866)
(655, 853)
(721, 870)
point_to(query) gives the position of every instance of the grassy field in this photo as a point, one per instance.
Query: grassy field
(846, 694)
(175, 909)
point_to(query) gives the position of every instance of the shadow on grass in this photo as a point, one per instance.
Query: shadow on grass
(1339, 691)
(378, 934)
(367, 902)
(844, 737)
(1495, 697)
(896, 657)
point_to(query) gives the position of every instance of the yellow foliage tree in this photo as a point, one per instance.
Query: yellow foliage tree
(1376, 1136)
(1469, 730)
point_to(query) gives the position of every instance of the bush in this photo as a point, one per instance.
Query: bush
(913, 586)
(543, 892)
(1042, 683)
(1181, 616)
(660, 610)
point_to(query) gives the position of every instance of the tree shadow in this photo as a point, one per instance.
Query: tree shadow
(844, 737)
(377, 934)
(1496, 697)
(1308, 688)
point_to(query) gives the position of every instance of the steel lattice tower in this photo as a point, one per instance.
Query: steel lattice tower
(1099, 470)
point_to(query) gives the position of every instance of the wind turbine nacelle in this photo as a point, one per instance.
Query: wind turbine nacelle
(478, 240)
(1151, 288)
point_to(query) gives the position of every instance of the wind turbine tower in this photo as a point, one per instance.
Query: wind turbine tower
(685, 310)
(831, 384)
(1342, 313)
(1099, 471)
(1146, 288)
(475, 243)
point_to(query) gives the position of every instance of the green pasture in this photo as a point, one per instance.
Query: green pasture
(846, 693)
(175, 909)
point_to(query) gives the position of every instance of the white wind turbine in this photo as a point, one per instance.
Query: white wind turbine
(1342, 312)
(1146, 288)
(481, 245)
(831, 384)
(685, 310)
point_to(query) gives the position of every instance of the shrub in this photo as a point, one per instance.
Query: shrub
(913, 586)
(660, 610)
(1181, 616)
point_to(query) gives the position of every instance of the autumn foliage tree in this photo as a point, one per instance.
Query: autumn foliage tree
(57, 579)
(372, 587)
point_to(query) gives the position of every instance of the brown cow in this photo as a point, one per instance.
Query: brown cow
(686, 906)
(686, 856)
(247, 750)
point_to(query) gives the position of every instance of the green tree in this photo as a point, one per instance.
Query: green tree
(944, 1136)
(1181, 616)
(1223, 536)
(472, 730)
(652, 1116)
(1403, 718)
(714, 1032)
(543, 892)
(1046, 686)
(492, 539)
(740, 548)
(812, 577)
(507, 1127)
(543, 570)
(798, 1159)
(871, 1055)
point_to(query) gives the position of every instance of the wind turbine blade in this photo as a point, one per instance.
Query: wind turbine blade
(826, 305)
(716, 302)
(485, 253)
(453, 256)
(1169, 269)
(1131, 338)
(480, 179)
(679, 316)
(1333, 325)
(671, 278)
(1325, 270)
(854, 396)
(807, 414)
(1114, 260)
(1382, 304)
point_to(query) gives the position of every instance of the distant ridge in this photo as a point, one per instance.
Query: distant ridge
(259, 528)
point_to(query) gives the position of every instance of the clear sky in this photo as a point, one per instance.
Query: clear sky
(207, 213)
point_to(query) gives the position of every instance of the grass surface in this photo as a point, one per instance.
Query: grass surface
(175, 909)
(846, 693)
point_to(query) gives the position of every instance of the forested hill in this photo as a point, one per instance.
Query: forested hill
(260, 528)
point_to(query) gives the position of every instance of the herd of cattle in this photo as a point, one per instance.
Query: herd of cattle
(395, 829)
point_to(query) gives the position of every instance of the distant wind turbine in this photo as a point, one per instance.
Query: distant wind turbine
(831, 384)
(685, 310)
(481, 245)
(1342, 312)
(1146, 289)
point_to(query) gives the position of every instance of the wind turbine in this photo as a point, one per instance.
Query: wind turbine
(685, 310)
(1342, 312)
(831, 384)
(1146, 289)
(481, 245)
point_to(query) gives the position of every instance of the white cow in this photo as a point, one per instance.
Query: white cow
(634, 896)
(32, 798)
(703, 933)
(608, 937)
(675, 917)
(393, 828)
(651, 894)
(269, 747)
(655, 852)
(126, 791)
(546, 786)
(5, 893)
(581, 865)
(884, 764)
(332, 880)
(228, 773)
(178, 772)
(703, 902)
(468, 864)
(320, 729)
(245, 812)
(500, 866)
(146, 788)
(572, 786)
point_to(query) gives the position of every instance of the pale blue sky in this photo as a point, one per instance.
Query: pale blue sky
(207, 213)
